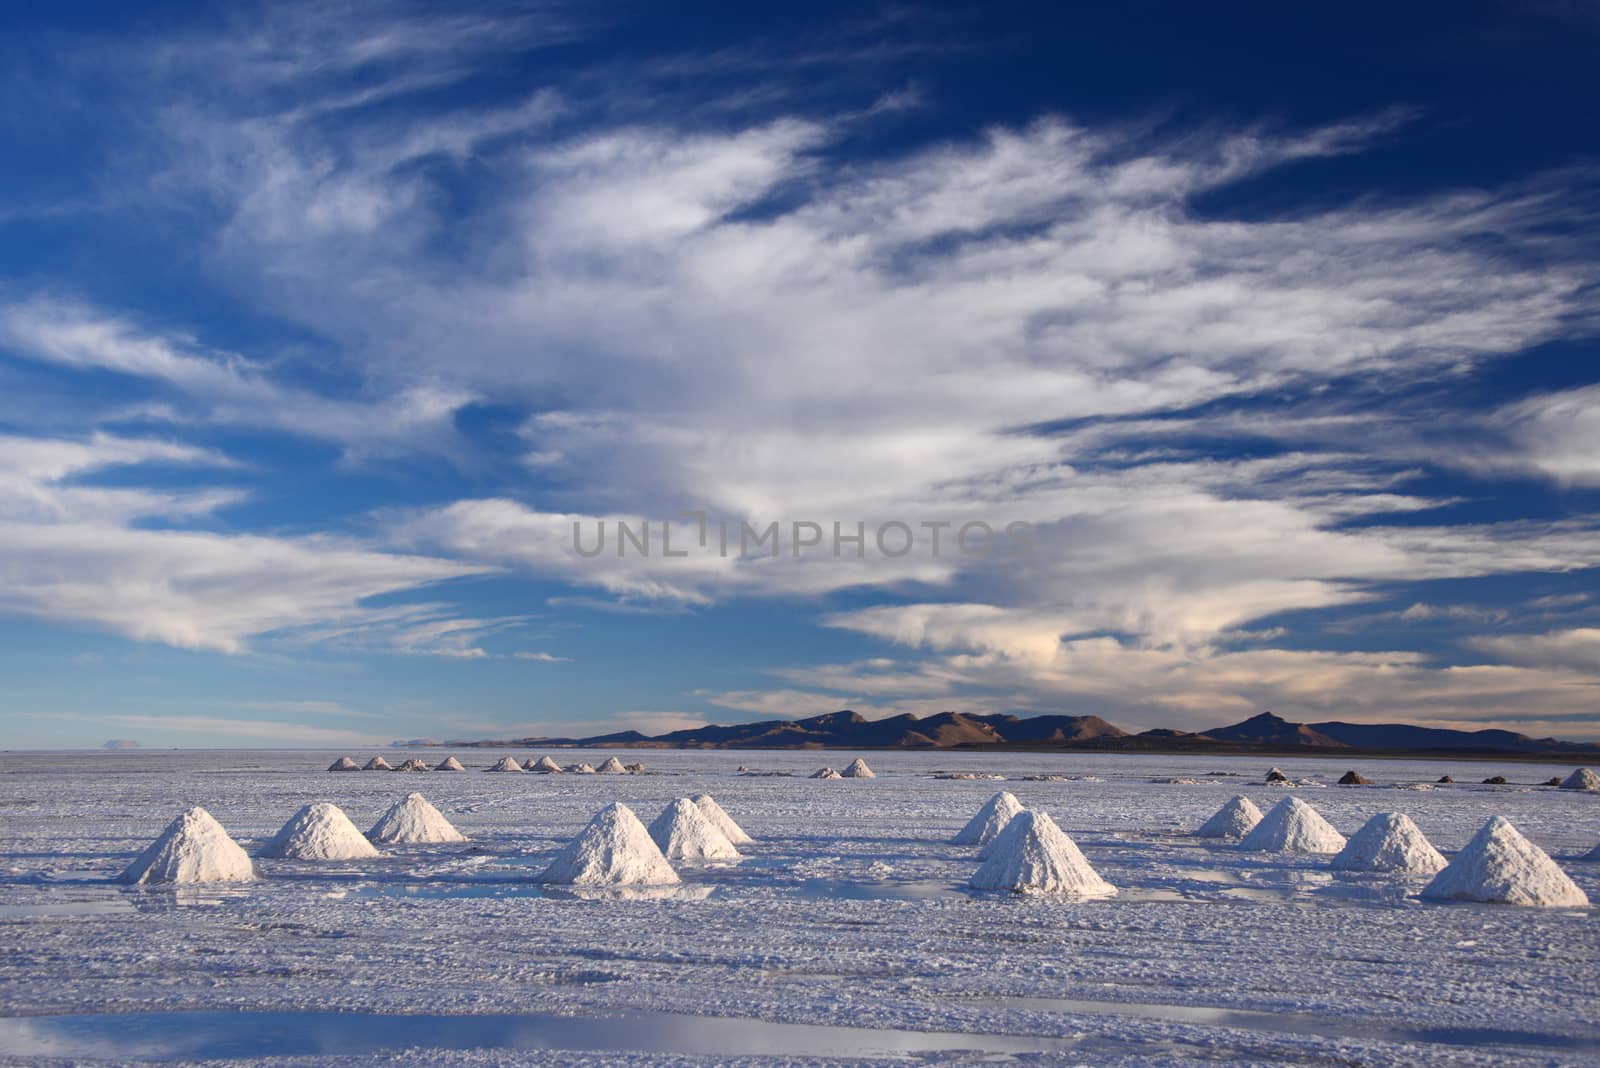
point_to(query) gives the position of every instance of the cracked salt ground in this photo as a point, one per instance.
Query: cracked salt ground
(847, 912)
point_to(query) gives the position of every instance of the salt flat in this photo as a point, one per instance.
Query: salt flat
(846, 932)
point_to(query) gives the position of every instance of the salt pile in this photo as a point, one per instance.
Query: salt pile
(613, 766)
(613, 850)
(1234, 820)
(344, 764)
(580, 769)
(858, 770)
(826, 773)
(449, 764)
(414, 820)
(1499, 865)
(721, 820)
(320, 831)
(193, 849)
(378, 764)
(684, 832)
(414, 764)
(1293, 827)
(1582, 779)
(1034, 856)
(1389, 842)
(544, 766)
(990, 820)
(1276, 776)
(507, 764)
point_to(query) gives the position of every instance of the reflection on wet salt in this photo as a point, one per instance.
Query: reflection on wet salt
(1296, 1023)
(159, 1036)
(508, 888)
(50, 910)
(842, 890)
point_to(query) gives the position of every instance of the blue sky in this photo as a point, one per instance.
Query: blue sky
(321, 325)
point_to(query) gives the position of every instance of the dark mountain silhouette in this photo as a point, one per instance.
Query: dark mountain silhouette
(1268, 729)
(1404, 736)
(952, 730)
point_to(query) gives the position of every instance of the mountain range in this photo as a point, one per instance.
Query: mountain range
(957, 730)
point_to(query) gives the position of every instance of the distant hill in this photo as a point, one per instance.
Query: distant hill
(1265, 732)
(1405, 736)
(1268, 729)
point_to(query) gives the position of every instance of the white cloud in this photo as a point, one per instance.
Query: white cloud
(1557, 434)
(70, 553)
(1575, 649)
(218, 730)
(1138, 687)
(743, 318)
(224, 386)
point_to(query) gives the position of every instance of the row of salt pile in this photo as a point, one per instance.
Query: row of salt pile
(543, 765)
(614, 849)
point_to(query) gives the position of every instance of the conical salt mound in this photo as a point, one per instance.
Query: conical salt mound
(1389, 842)
(721, 820)
(580, 769)
(414, 820)
(684, 833)
(378, 764)
(990, 820)
(545, 766)
(193, 849)
(1582, 779)
(507, 764)
(1293, 827)
(1499, 865)
(858, 770)
(320, 831)
(1234, 820)
(826, 773)
(613, 850)
(414, 764)
(344, 764)
(1034, 856)
(449, 764)
(612, 766)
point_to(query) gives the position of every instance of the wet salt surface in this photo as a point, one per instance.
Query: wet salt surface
(1306, 1024)
(191, 1035)
(849, 914)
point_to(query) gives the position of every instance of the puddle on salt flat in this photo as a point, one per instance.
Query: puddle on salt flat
(841, 890)
(157, 1036)
(167, 897)
(107, 905)
(1295, 1023)
(126, 899)
(486, 888)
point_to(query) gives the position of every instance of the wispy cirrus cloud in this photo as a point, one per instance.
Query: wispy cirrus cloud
(1207, 414)
(76, 552)
(223, 387)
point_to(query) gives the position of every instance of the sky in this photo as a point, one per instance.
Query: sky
(1265, 338)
